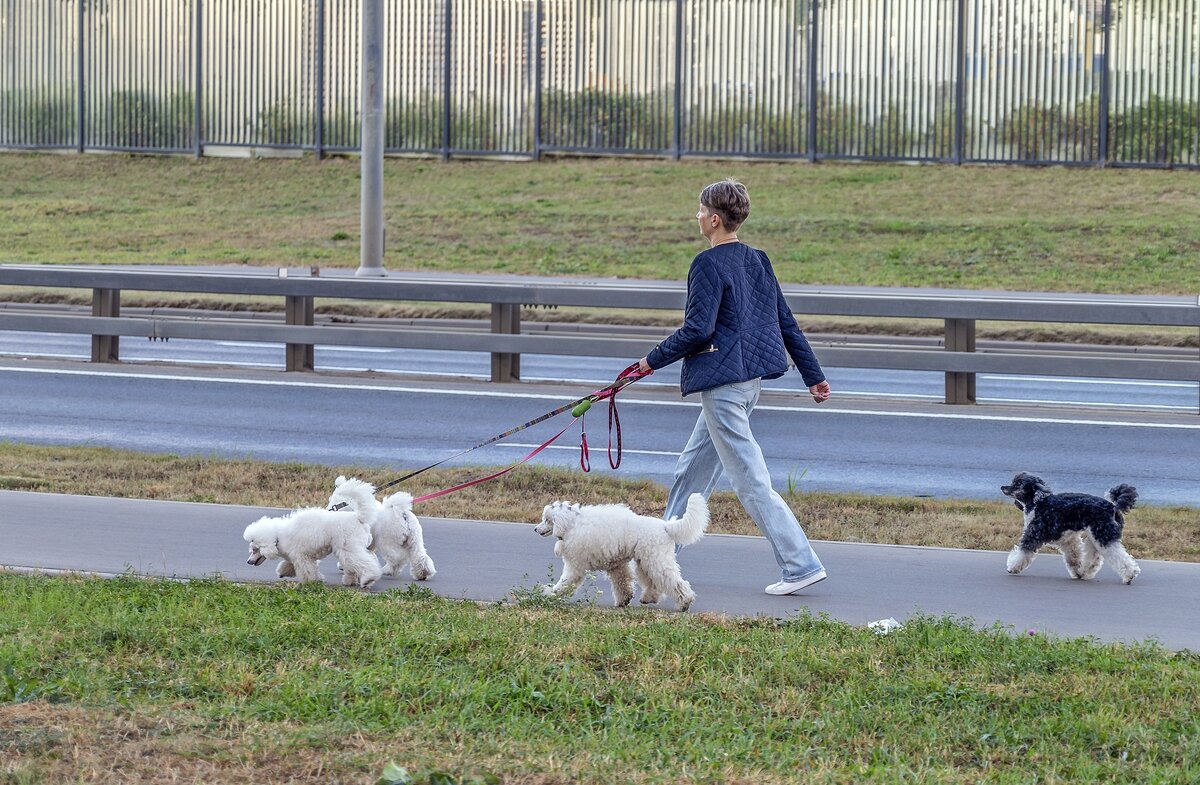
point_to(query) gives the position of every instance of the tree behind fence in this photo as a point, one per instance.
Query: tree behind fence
(1022, 81)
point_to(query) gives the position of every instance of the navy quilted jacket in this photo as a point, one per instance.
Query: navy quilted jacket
(737, 326)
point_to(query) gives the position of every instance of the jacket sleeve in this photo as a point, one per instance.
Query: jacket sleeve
(700, 316)
(793, 337)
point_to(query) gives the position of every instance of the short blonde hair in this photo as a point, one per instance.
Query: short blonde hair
(728, 199)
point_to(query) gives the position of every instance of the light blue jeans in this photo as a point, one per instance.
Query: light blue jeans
(722, 441)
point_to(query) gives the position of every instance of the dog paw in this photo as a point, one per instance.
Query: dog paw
(649, 599)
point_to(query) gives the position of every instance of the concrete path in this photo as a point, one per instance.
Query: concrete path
(481, 560)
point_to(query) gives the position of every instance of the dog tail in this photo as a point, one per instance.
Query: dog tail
(400, 500)
(1123, 496)
(689, 528)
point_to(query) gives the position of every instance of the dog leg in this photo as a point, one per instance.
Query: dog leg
(421, 566)
(684, 596)
(285, 569)
(1092, 560)
(649, 590)
(419, 562)
(568, 582)
(1019, 559)
(621, 578)
(1122, 562)
(362, 569)
(1071, 547)
(306, 570)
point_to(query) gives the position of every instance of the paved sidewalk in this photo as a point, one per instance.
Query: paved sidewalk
(485, 560)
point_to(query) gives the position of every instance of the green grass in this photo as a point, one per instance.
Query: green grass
(535, 692)
(1047, 229)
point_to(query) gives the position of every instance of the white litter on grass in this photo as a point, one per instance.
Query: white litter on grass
(884, 626)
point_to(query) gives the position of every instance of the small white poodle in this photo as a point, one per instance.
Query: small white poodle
(609, 536)
(396, 534)
(303, 537)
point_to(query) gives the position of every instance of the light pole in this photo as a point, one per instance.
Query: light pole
(371, 258)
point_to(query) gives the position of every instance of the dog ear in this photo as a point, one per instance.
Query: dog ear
(338, 482)
(1036, 489)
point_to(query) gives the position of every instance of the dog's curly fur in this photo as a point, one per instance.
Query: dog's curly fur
(396, 534)
(612, 538)
(1085, 528)
(303, 537)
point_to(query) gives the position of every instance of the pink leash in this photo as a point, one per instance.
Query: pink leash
(625, 378)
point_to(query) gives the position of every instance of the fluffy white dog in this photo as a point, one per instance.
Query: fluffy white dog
(396, 534)
(303, 537)
(609, 537)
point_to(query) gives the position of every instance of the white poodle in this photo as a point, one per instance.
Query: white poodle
(396, 534)
(609, 536)
(303, 537)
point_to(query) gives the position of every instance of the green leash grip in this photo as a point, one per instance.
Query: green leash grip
(581, 407)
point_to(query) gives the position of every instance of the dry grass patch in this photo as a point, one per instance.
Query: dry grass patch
(1171, 533)
(44, 742)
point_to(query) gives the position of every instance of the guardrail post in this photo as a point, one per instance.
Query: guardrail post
(299, 310)
(960, 337)
(506, 319)
(106, 302)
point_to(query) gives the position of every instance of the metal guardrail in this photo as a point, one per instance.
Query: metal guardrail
(957, 357)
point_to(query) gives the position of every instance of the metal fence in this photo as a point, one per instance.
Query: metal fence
(1016, 81)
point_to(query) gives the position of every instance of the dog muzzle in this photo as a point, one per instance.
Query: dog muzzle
(256, 560)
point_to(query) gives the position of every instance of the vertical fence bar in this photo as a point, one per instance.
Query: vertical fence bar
(447, 74)
(1104, 82)
(960, 81)
(80, 105)
(319, 87)
(198, 115)
(677, 122)
(539, 21)
(813, 106)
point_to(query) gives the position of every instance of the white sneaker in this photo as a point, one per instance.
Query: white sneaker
(791, 587)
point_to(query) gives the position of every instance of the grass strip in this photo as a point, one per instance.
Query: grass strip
(1120, 231)
(152, 681)
(1171, 533)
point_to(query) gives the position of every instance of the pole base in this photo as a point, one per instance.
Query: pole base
(370, 272)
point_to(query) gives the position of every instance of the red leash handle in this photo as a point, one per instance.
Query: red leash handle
(626, 378)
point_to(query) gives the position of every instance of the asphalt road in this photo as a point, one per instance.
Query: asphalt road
(487, 561)
(903, 448)
(1135, 395)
